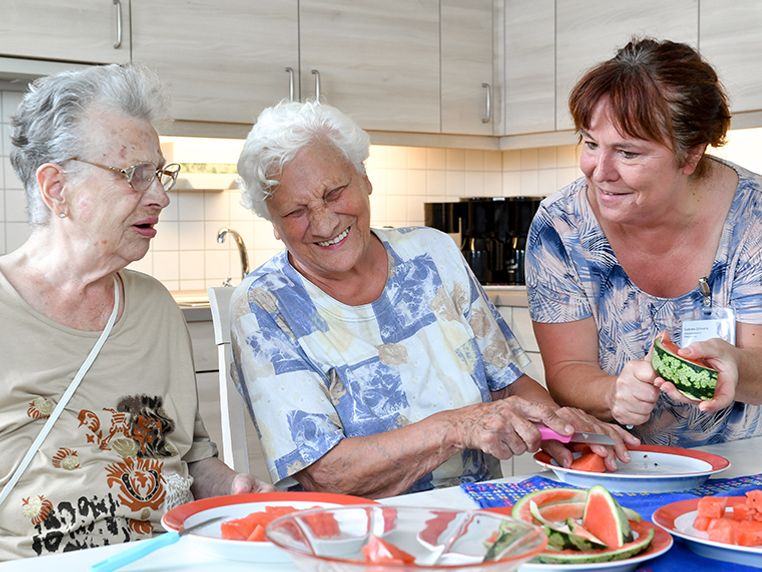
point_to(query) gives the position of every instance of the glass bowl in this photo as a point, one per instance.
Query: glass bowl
(346, 539)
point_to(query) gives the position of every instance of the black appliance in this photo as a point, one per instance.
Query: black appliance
(493, 233)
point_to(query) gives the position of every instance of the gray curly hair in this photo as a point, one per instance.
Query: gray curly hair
(50, 123)
(280, 132)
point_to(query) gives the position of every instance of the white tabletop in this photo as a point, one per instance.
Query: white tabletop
(743, 455)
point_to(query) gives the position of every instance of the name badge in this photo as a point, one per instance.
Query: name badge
(717, 326)
(708, 321)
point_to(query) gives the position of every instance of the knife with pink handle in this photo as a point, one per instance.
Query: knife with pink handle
(580, 437)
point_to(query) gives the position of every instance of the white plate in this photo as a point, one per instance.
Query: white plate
(677, 518)
(208, 539)
(652, 469)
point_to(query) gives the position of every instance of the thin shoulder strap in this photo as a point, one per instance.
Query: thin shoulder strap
(34, 447)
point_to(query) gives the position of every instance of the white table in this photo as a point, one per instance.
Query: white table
(745, 457)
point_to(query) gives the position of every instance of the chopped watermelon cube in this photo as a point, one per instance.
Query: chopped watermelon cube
(749, 534)
(712, 507)
(754, 499)
(743, 512)
(702, 522)
(723, 530)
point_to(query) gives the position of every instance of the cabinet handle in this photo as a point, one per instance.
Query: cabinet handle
(487, 117)
(316, 73)
(118, 14)
(290, 71)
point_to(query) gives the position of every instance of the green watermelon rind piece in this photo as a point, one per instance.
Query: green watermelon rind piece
(547, 497)
(691, 379)
(629, 550)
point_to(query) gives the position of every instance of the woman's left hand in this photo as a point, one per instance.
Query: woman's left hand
(582, 421)
(721, 356)
(245, 483)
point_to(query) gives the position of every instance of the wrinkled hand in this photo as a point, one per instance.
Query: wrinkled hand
(506, 427)
(721, 356)
(582, 421)
(245, 483)
(634, 395)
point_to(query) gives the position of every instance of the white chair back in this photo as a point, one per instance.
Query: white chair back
(233, 414)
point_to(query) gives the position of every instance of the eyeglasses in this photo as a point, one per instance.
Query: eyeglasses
(141, 176)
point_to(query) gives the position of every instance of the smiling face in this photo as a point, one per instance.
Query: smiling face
(109, 220)
(631, 180)
(321, 212)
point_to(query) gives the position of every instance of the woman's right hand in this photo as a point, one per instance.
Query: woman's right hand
(507, 427)
(634, 395)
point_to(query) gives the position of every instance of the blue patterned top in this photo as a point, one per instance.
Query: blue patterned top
(572, 273)
(314, 370)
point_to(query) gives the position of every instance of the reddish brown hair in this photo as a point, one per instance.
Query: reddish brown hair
(659, 91)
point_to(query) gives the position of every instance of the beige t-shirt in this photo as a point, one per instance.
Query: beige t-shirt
(117, 457)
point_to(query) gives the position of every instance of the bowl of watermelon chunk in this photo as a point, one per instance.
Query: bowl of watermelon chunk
(404, 538)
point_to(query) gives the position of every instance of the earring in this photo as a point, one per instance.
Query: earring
(62, 214)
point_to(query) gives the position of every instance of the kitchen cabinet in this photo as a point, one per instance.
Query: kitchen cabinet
(520, 323)
(590, 31)
(90, 31)
(468, 91)
(207, 383)
(221, 62)
(376, 61)
(517, 318)
(530, 66)
(549, 44)
(729, 40)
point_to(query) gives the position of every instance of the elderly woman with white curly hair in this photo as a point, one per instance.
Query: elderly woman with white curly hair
(99, 420)
(371, 360)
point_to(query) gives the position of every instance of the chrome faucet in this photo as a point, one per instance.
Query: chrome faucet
(241, 250)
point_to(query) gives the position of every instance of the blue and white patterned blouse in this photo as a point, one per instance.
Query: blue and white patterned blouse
(572, 273)
(314, 370)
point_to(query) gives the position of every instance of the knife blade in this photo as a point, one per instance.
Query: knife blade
(138, 550)
(579, 437)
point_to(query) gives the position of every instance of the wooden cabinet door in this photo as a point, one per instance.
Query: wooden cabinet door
(590, 31)
(68, 30)
(530, 66)
(222, 60)
(729, 39)
(377, 61)
(468, 89)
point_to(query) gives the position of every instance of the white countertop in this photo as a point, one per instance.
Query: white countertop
(195, 303)
(743, 455)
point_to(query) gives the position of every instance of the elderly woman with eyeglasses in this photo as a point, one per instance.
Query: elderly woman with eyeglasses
(129, 443)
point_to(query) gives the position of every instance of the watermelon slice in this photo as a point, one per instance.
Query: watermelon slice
(604, 519)
(694, 378)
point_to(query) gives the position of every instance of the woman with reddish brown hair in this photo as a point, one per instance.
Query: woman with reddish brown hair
(656, 236)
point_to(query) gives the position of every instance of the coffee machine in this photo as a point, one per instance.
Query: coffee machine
(493, 233)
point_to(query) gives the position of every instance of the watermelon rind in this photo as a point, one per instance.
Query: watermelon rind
(629, 550)
(693, 380)
(561, 547)
(546, 497)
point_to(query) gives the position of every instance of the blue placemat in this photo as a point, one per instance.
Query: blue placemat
(679, 559)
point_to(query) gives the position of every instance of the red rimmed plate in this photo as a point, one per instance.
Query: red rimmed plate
(652, 469)
(677, 519)
(659, 545)
(208, 538)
